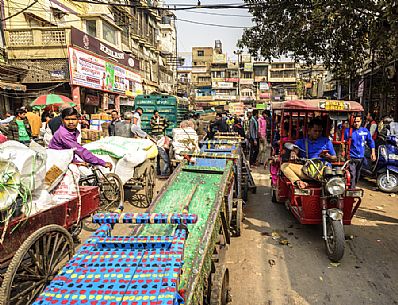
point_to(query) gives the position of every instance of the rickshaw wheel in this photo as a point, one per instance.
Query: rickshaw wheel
(149, 184)
(335, 241)
(220, 287)
(35, 264)
(112, 191)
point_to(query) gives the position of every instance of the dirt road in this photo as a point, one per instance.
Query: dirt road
(264, 272)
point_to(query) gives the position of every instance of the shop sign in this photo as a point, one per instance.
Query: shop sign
(90, 43)
(219, 58)
(246, 81)
(232, 80)
(265, 95)
(92, 100)
(224, 97)
(264, 86)
(248, 67)
(199, 69)
(89, 71)
(224, 85)
(57, 74)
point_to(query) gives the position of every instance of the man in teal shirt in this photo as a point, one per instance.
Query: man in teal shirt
(19, 128)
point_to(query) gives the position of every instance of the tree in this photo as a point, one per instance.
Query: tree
(343, 34)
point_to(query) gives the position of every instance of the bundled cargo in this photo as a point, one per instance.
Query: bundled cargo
(30, 163)
(184, 139)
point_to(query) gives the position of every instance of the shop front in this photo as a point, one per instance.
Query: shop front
(99, 83)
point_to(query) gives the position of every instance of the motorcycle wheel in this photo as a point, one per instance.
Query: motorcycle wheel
(387, 185)
(335, 241)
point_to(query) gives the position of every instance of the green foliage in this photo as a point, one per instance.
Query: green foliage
(340, 33)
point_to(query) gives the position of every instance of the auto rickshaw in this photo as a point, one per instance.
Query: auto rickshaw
(328, 200)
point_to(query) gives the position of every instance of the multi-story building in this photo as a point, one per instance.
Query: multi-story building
(202, 58)
(100, 55)
(283, 79)
(261, 85)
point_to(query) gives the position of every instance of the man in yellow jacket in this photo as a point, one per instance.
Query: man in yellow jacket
(34, 122)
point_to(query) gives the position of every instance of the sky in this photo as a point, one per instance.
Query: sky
(192, 35)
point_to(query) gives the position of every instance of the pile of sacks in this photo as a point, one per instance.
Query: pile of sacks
(184, 139)
(124, 154)
(36, 175)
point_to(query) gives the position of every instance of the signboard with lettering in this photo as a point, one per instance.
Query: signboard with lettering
(90, 71)
(246, 81)
(264, 86)
(90, 43)
(222, 85)
(248, 67)
(219, 58)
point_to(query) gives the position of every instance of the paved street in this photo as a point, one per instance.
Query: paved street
(264, 272)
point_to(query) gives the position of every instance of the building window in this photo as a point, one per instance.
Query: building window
(201, 53)
(109, 33)
(91, 27)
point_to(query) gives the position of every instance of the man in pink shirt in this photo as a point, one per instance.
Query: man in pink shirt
(262, 135)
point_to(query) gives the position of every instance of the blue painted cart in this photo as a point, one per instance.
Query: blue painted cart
(136, 270)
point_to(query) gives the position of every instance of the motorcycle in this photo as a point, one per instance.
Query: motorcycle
(385, 168)
(326, 201)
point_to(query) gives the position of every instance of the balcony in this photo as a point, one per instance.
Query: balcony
(46, 42)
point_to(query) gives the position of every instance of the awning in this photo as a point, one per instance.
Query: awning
(12, 86)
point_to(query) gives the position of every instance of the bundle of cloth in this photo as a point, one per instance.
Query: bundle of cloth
(124, 153)
(184, 139)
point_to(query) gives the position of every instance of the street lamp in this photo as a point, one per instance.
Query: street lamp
(239, 53)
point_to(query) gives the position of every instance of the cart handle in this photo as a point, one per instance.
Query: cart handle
(145, 218)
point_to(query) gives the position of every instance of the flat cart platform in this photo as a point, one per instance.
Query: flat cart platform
(138, 270)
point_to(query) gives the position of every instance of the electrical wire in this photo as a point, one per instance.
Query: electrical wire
(21, 11)
(213, 24)
(218, 14)
(174, 8)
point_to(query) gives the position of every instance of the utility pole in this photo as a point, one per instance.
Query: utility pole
(239, 52)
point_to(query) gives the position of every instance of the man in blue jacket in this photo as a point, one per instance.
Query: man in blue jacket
(359, 136)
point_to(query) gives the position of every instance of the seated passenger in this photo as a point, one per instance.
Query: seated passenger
(314, 146)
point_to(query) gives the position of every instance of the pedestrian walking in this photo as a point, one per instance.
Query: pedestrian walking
(253, 137)
(19, 128)
(34, 122)
(158, 124)
(262, 137)
(163, 144)
(358, 136)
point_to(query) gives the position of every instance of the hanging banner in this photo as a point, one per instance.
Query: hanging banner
(248, 67)
(89, 71)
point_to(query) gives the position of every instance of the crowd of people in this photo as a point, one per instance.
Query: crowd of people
(253, 127)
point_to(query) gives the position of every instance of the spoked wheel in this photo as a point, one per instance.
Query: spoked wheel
(112, 192)
(387, 184)
(238, 217)
(149, 184)
(335, 241)
(35, 264)
(220, 287)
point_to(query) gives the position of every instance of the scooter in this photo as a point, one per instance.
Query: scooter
(385, 168)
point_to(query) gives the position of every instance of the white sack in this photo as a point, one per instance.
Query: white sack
(9, 184)
(41, 201)
(30, 164)
(68, 187)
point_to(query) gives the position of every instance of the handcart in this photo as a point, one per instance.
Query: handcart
(143, 179)
(245, 181)
(218, 159)
(125, 269)
(35, 248)
(204, 191)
